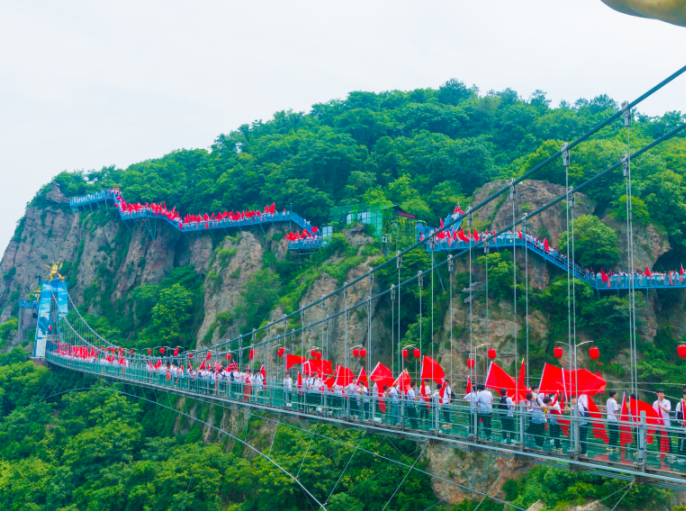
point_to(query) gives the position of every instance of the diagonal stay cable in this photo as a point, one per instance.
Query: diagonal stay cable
(346, 467)
(212, 426)
(404, 478)
(372, 453)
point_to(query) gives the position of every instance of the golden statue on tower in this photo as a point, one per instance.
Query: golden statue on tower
(671, 11)
(54, 271)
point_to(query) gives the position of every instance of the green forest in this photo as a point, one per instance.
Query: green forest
(425, 150)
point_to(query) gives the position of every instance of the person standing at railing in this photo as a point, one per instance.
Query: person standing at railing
(681, 421)
(583, 422)
(663, 407)
(354, 395)
(364, 391)
(555, 413)
(612, 409)
(394, 396)
(471, 397)
(446, 400)
(506, 408)
(411, 406)
(537, 418)
(287, 389)
(484, 403)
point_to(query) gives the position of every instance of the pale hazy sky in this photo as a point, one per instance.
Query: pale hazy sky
(86, 84)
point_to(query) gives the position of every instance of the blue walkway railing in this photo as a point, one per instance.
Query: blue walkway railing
(88, 201)
(615, 282)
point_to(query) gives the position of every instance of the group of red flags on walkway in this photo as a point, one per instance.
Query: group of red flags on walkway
(173, 215)
(304, 235)
(564, 383)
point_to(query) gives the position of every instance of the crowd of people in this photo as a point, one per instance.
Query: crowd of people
(451, 239)
(193, 222)
(430, 405)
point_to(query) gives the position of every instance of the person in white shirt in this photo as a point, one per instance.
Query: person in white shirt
(354, 396)
(424, 408)
(484, 403)
(364, 391)
(663, 408)
(287, 388)
(394, 397)
(445, 405)
(612, 409)
(411, 406)
(471, 397)
(681, 420)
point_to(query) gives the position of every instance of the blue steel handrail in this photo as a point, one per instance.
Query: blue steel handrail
(615, 282)
(203, 225)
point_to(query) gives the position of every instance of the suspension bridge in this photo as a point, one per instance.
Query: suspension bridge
(67, 342)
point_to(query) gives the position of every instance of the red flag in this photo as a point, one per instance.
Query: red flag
(624, 431)
(476, 235)
(636, 406)
(603, 276)
(202, 366)
(681, 272)
(521, 387)
(291, 360)
(300, 381)
(518, 232)
(263, 372)
(498, 379)
(317, 366)
(403, 381)
(648, 274)
(469, 385)
(344, 376)
(442, 225)
(329, 382)
(381, 402)
(582, 381)
(382, 376)
(599, 430)
(168, 373)
(362, 378)
(432, 370)
(545, 245)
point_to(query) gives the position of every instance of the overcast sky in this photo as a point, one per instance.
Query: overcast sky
(87, 84)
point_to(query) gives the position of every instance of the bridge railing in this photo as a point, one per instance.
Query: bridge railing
(616, 282)
(83, 200)
(306, 244)
(567, 436)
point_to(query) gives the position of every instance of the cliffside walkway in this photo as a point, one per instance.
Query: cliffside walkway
(614, 282)
(107, 198)
(455, 426)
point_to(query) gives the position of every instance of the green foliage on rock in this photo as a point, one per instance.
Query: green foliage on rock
(595, 244)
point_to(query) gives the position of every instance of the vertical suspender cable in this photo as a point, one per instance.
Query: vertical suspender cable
(471, 327)
(432, 313)
(526, 291)
(572, 348)
(513, 196)
(630, 240)
(450, 279)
